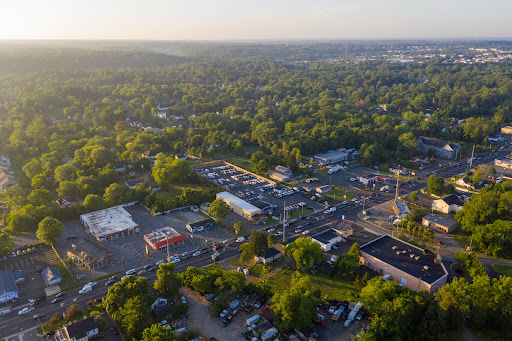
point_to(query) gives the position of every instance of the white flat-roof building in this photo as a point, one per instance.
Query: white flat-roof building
(110, 224)
(239, 206)
(330, 157)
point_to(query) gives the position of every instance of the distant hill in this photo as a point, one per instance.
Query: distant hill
(20, 60)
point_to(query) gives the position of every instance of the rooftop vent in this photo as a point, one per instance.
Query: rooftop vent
(417, 257)
(398, 252)
(395, 247)
(425, 267)
(412, 255)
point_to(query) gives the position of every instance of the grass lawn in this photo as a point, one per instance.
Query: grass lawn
(257, 269)
(68, 282)
(331, 288)
(297, 213)
(175, 190)
(460, 237)
(322, 171)
(228, 154)
(505, 270)
(340, 194)
(242, 163)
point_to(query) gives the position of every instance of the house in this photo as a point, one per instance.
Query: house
(7, 179)
(394, 168)
(64, 202)
(284, 170)
(163, 312)
(449, 204)
(439, 223)
(323, 189)
(8, 288)
(51, 276)
(382, 107)
(181, 157)
(200, 225)
(415, 268)
(268, 256)
(447, 150)
(464, 182)
(133, 183)
(278, 176)
(503, 162)
(327, 239)
(82, 330)
(149, 154)
(5, 162)
(506, 130)
(162, 114)
(159, 302)
(120, 168)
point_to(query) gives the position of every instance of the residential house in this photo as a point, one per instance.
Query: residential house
(82, 330)
(5, 162)
(327, 239)
(181, 157)
(162, 114)
(464, 182)
(447, 150)
(7, 179)
(133, 183)
(65, 202)
(149, 154)
(284, 170)
(268, 256)
(506, 130)
(51, 276)
(449, 204)
(159, 302)
(439, 223)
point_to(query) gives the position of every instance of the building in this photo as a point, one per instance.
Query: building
(323, 189)
(162, 114)
(394, 168)
(503, 162)
(5, 162)
(283, 170)
(51, 276)
(439, 223)
(239, 206)
(181, 157)
(165, 237)
(159, 302)
(268, 256)
(133, 183)
(278, 176)
(82, 330)
(327, 239)
(18, 277)
(506, 130)
(65, 202)
(110, 224)
(449, 204)
(464, 182)
(149, 153)
(90, 255)
(330, 157)
(7, 179)
(344, 227)
(366, 179)
(200, 225)
(400, 209)
(405, 263)
(8, 288)
(447, 150)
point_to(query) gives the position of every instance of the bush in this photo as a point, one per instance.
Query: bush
(55, 320)
(73, 312)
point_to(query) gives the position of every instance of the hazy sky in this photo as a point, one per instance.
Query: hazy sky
(257, 19)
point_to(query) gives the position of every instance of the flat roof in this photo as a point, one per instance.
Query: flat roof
(108, 221)
(7, 283)
(402, 207)
(343, 225)
(386, 248)
(326, 236)
(161, 234)
(238, 202)
(440, 220)
(330, 155)
(89, 251)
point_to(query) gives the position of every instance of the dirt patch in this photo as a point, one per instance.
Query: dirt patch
(207, 326)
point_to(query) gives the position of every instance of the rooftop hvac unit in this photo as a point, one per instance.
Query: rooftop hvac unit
(425, 267)
(412, 255)
(73, 246)
(395, 247)
(417, 257)
(398, 252)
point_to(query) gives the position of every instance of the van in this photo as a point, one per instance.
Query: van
(240, 239)
(347, 323)
(5, 311)
(85, 289)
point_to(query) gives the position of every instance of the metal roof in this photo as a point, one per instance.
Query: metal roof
(238, 202)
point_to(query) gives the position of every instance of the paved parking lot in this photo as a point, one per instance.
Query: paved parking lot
(254, 189)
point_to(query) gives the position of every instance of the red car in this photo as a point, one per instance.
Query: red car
(217, 247)
(320, 322)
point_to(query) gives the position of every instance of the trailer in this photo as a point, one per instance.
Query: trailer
(334, 169)
(337, 314)
(253, 320)
(354, 311)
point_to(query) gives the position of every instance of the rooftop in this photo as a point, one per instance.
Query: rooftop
(201, 222)
(402, 207)
(161, 234)
(133, 182)
(326, 236)
(108, 221)
(238, 202)
(89, 251)
(440, 220)
(343, 225)
(429, 141)
(330, 155)
(79, 329)
(51, 274)
(452, 199)
(397, 253)
(270, 252)
(7, 283)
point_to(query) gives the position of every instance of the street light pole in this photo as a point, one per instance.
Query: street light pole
(167, 245)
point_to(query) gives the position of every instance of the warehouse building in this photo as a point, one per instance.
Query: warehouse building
(330, 157)
(161, 239)
(110, 224)
(90, 255)
(278, 176)
(405, 263)
(439, 223)
(8, 288)
(239, 206)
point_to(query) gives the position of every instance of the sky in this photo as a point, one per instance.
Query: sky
(257, 19)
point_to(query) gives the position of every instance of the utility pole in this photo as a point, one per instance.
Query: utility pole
(397, 179)
(167, 245)
(471, 162)
(214, 251)
(284, 219)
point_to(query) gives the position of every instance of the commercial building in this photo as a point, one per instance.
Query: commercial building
(506, 130)
(284, 170)
(330, 157)
(447, 150)
(278, 176)
(110, 224)
(51, 276)
(323, 189)
(268, 256)
(344, 227)
(90, 255)
(449, 204)
(82, 330)
(503, 162)
(400, 208)
(18, 277)
(8, 288)
(405, 263)
(161, 239)
(327, 239)
(439, 223)
(239, 206)
(200, 225)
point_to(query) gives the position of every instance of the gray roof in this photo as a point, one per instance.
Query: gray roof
(270, 252)
(439, 220)
(80, 328)
(51, 274)
(326, 236)
(452, 199)
(7, 283)
(429, 141)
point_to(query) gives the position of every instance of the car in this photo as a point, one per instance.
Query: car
(26, 310)
(197, 253)
(257, 305)
(160, 262)
(366, 217)
(60, 294)
(298, 230)
(320, 322)
(332, 309)
(227, 320)
(110, 282)
(38, 316)
(183, 300)
(271, 229)
(152, 268)
(305, 232)
(345, 314)
(234, 312)
(91, 284)
(147, 266)
(224, 313)
(175, 260)
(185, 254)
(278, 233)
(57, 300)
(131, 272)
(359, 317)
(114, 331)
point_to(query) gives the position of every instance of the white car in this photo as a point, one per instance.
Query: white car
(92, 284)
(141, 272)
(298, 230)
(271, 230)
(160, 262)
(131, 272)
(183, 300)
(26, 310)
(175, 260)
(305, 232)
(278, 233)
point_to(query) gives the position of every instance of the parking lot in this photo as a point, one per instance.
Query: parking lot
(256, 190)
(130, 252)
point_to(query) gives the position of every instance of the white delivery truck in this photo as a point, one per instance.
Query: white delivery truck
(334, 169)
(253, 320)
(85, 289)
